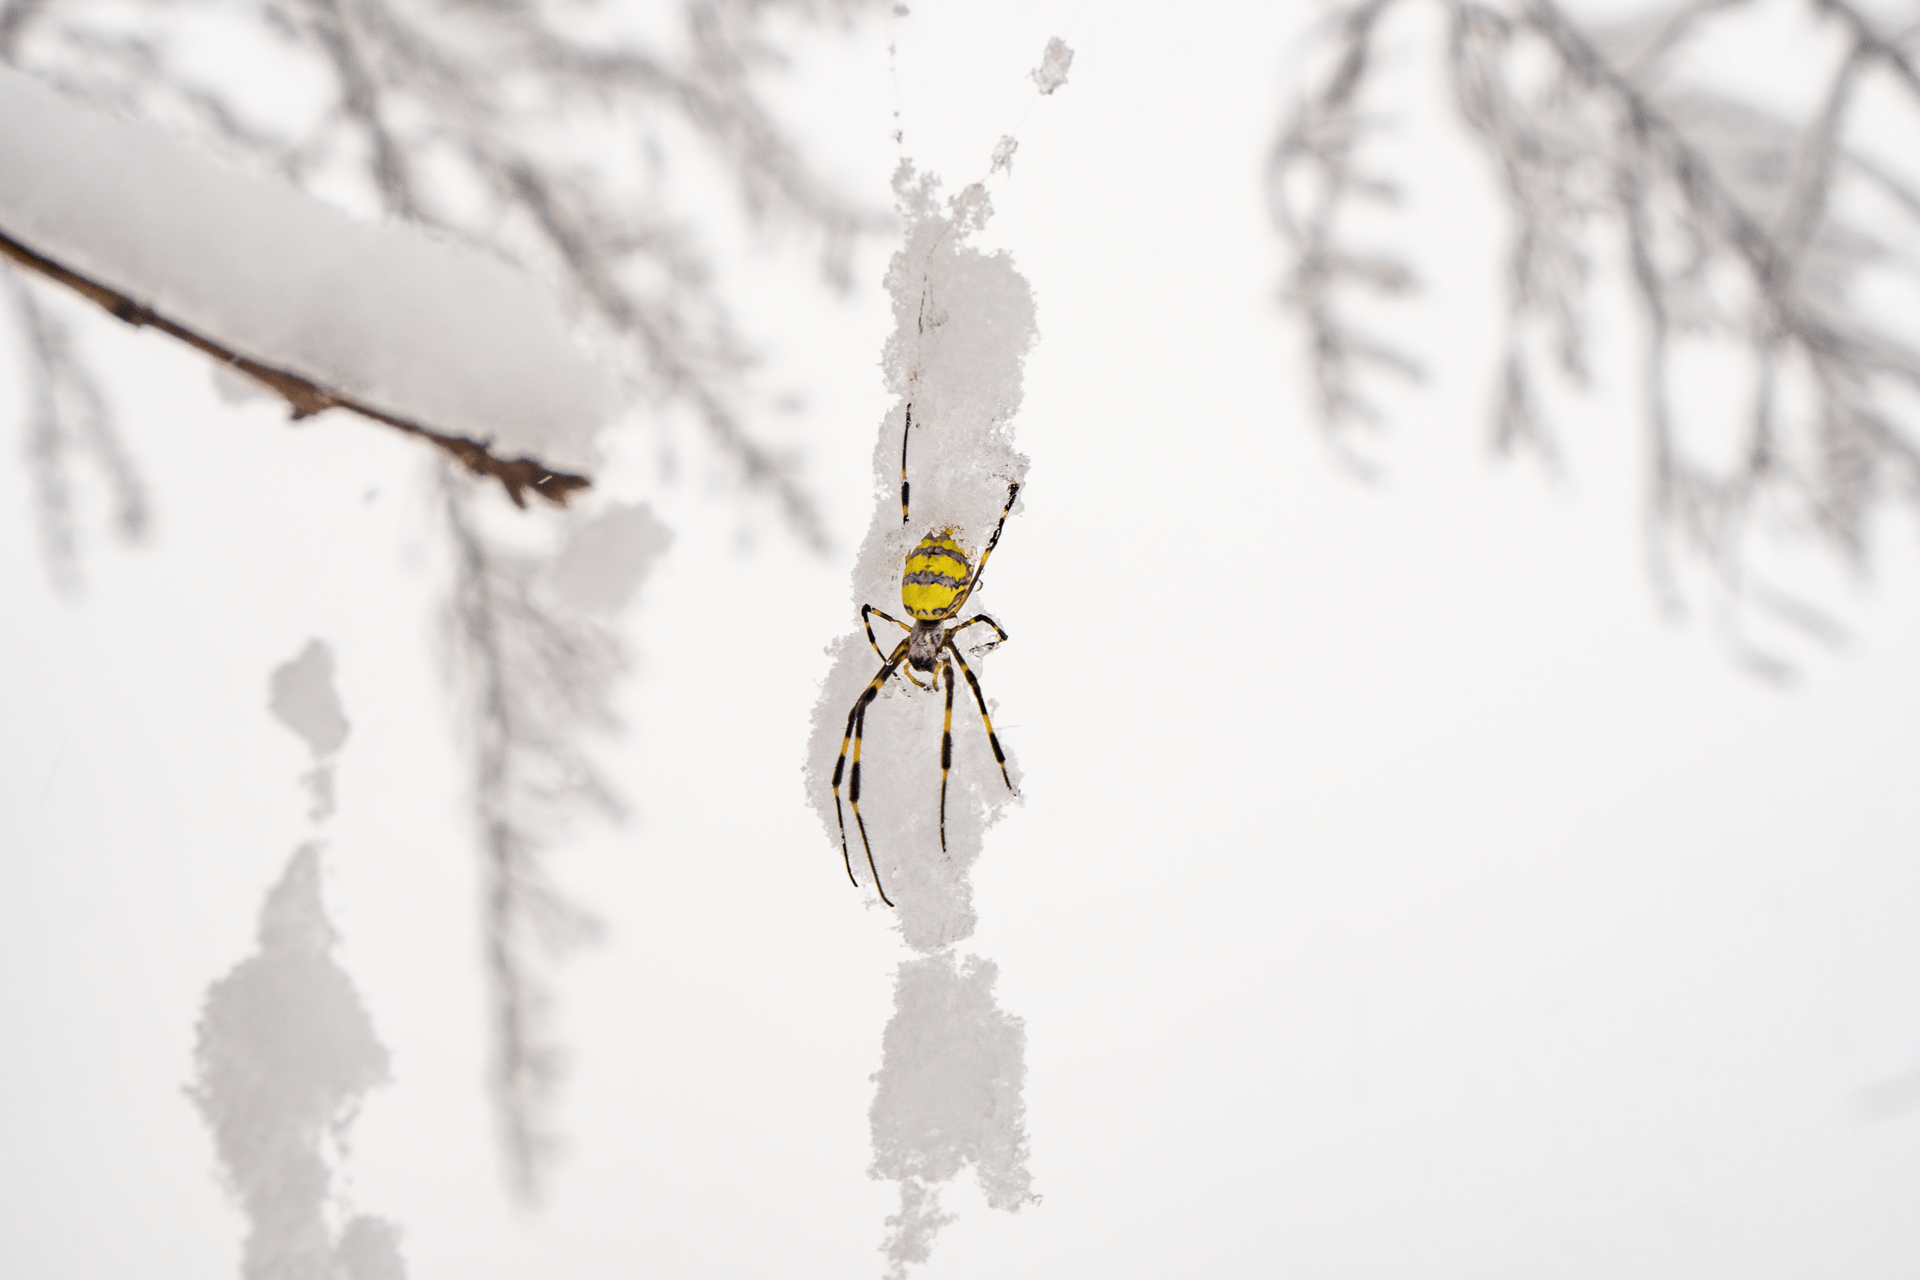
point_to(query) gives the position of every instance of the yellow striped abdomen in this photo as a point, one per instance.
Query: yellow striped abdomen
(937, 577)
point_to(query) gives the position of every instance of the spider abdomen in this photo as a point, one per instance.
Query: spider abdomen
(936, 578)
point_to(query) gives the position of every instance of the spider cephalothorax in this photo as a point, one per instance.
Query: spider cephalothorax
(935, 582)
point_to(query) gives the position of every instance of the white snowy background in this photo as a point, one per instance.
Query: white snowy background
(1394, 893)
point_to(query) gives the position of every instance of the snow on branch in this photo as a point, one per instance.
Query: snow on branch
(324, 311)
(304, 398)
(1748, 238)
(519, 129)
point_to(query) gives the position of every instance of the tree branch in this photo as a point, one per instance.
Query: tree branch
(303, 396)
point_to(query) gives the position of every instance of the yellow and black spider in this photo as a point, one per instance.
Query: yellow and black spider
(934, 585)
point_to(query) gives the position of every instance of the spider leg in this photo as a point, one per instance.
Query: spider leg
(865, 611)
(1013, 492)
(973, 682)
(853, 798)
(904, 433)
(979, 617)
(946, 752)
(856, 729)
(839, 815)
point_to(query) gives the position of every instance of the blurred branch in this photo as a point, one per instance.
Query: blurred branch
(69, 409)
(531, 683)
(1311, 177)
(304, 397)
(1729, 219)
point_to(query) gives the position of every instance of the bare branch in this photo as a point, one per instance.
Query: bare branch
(69, 410)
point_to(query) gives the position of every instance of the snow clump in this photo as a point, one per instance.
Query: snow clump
(301, 696)
(285, 1052)
(605, 559)
(949, 1094)
(1052, 71)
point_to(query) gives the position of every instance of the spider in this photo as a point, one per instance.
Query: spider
(934, 584)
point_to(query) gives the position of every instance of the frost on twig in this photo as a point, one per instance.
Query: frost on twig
(1748, 237)
(68, 415)
(534, 667)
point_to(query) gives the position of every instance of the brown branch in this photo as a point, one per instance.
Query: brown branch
(304, 397)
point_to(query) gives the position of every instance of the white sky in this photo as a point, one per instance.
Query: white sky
(1395, 894)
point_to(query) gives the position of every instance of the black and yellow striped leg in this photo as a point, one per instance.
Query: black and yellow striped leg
(1013, 492)
(866, 610)
(839, 815)
(946, 753)
(856, 731)
(973, 682)
(904, 433)
(853, 798)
